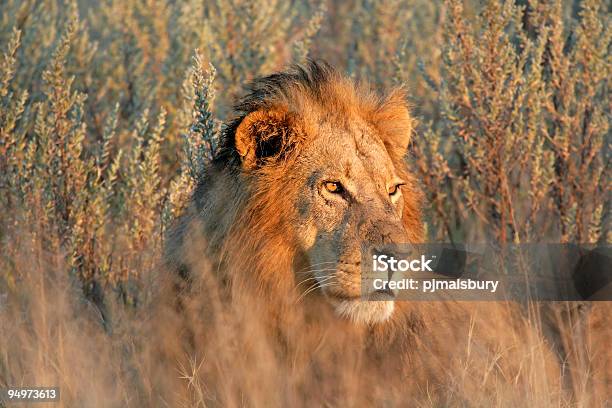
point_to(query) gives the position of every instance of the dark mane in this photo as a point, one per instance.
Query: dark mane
(317, 93)
(308, 78)
(263, 93)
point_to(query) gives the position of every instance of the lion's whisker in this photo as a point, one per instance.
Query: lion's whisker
(315, 287)
(318, 280)
(312, 289)
(317, 270)
(315, 265)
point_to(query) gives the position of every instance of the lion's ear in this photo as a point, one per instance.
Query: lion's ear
(264, 135)
(395, 124)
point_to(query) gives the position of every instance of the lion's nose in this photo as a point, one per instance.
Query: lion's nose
(393, 234)
(383, 239)
(383, 233)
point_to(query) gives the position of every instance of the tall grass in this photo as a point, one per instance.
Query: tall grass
(108, 113)
(520, 152)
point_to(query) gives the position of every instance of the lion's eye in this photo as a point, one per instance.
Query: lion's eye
(394, 189)
(334, 187)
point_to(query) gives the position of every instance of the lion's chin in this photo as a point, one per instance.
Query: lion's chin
(365, 312)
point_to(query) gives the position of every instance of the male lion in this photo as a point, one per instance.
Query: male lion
(309, 174)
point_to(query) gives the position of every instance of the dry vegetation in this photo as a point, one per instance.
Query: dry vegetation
(107, 115)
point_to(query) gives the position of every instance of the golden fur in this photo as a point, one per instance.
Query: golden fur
(253, 228)
(246, 203)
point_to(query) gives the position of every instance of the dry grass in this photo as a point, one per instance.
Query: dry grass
(106, 120)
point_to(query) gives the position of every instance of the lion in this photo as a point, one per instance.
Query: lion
(311, 172)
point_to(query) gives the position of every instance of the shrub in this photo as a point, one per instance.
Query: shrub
(108, 113)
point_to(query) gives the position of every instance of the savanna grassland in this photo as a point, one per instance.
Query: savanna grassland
(110, 110)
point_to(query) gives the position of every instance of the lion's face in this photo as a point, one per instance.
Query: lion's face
(350, 201)
(323, 162)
